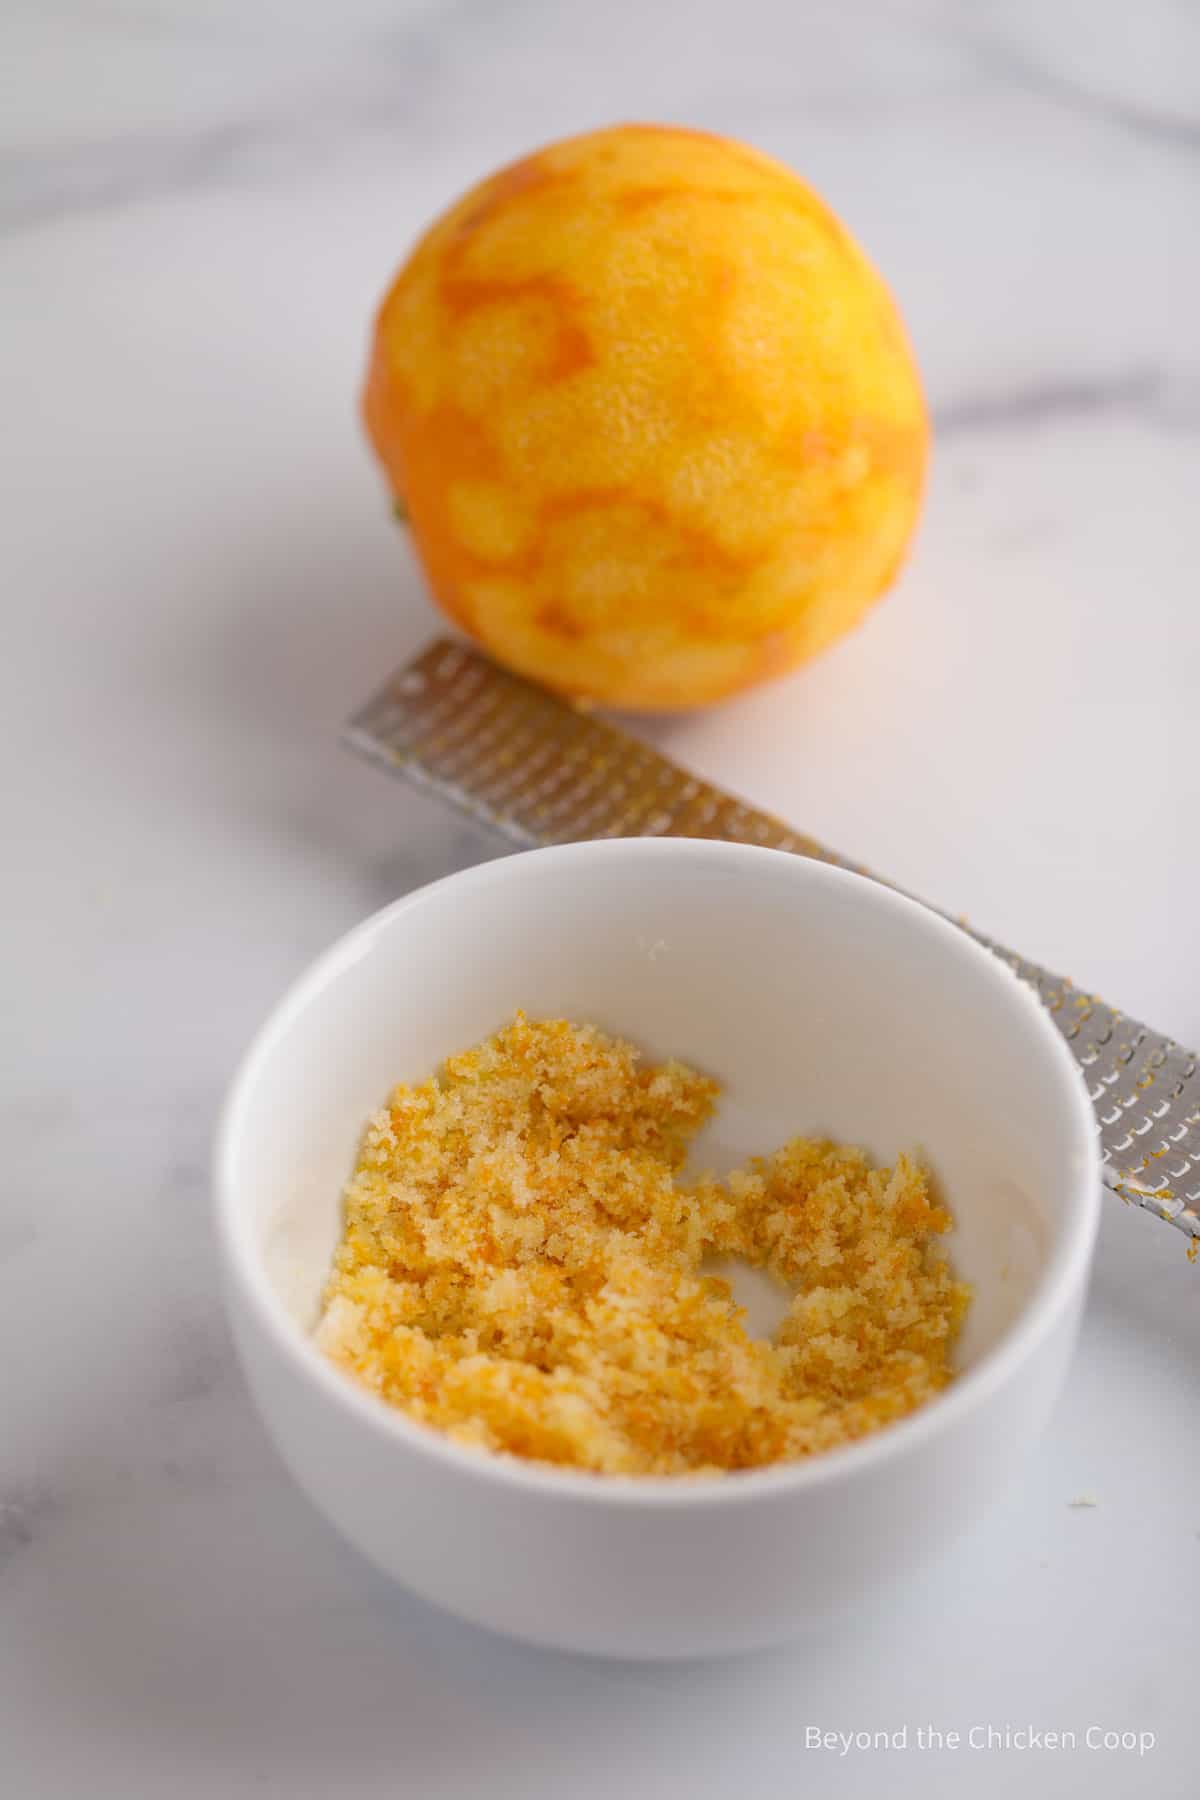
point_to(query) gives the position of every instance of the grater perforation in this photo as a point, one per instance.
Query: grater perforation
(538, 770)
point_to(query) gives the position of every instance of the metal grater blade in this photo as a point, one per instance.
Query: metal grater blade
(542, 771)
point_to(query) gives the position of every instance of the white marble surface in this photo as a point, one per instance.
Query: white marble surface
(200, 206)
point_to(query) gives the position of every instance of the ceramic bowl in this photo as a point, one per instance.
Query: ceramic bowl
(824, 1003)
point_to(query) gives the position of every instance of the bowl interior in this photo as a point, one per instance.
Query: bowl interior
(822, 1002)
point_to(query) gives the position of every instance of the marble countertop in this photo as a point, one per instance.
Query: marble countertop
(201, 204)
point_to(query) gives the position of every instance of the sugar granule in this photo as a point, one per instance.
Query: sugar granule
(521, 1267)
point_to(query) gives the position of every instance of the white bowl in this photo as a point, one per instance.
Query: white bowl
(824, 1003)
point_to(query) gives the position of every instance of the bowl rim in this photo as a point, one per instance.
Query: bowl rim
(1061, 1277)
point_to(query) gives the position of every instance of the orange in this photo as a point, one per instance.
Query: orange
(652, 416)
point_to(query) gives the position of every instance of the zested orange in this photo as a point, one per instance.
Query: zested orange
(652, 415)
